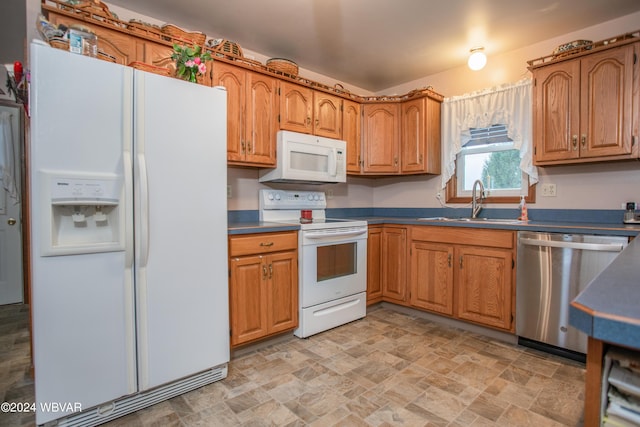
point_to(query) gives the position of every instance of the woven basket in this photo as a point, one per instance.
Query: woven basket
(283, 65)
(195, 37)
(144, 28)
(226, 47)
(59, 43)
(150, 68)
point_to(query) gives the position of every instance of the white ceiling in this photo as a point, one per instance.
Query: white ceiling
(378, 44)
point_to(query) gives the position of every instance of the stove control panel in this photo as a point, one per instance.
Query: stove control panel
(291, 200)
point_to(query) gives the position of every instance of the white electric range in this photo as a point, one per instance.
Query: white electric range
(332, 259)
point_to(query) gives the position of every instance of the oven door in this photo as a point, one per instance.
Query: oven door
(333, 264)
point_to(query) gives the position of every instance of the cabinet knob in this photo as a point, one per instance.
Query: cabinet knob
(242, 146)
(583, 141)
(264, 272)
(449, 260)
(395, 161)
(574, 142)
(270, 271)
(266, 244)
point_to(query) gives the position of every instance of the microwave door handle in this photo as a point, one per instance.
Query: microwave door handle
(333, 162)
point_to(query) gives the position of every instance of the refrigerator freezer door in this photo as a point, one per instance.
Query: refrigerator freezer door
(181, 228)
(82, 304)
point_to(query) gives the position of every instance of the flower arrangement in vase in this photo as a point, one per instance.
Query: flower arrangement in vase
(190, 62)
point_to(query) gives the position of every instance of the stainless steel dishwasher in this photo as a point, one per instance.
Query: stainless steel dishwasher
(552, 269)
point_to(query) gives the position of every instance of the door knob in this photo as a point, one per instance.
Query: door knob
(11, 221)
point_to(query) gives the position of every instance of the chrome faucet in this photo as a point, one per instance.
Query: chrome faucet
(476, 199)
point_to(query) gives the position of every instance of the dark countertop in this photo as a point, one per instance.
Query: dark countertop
(611, 229)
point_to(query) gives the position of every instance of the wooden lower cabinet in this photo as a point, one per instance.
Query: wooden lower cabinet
(485, 286)
(473, 281)
(386, 264)
(263, 285)
(393, 266)
(374, 264)
(431, 278)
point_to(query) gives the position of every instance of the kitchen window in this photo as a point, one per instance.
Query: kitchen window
(492, 157)
(487, 135)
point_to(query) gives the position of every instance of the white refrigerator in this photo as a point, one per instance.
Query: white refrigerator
(128, 217)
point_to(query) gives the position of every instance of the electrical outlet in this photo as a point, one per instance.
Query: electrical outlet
(228, 191)
(548, 190)
(330, 193)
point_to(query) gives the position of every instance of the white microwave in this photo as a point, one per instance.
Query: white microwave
(308, 159)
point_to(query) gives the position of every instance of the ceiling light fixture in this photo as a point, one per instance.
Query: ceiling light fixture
(477, 59)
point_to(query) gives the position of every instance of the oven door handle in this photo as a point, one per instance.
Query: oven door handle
(311, 235)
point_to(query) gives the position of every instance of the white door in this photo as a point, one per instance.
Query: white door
(10, 203)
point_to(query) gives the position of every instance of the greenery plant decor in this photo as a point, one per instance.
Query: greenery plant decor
(190, 62)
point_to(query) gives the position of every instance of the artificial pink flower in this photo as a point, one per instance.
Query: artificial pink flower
(189, 63)
(197, 60)
(202, 68)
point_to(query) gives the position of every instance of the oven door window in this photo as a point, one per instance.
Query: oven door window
(336, 261)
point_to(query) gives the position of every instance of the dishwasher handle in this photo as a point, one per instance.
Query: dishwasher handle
(601, 247)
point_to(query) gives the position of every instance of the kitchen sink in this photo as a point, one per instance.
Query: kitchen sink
(479, 220)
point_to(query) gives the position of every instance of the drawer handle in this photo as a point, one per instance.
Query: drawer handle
(264, 272)
(266, 244)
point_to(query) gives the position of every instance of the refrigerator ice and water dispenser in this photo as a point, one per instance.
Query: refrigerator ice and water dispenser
(86, 214)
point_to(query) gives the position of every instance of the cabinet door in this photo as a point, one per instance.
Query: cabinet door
(282, 298)
(125, 48)
(327, 112)
(606, 103)
(234, 80)
(485, 286)
(296, 107)
(431, 281)
(433, 141)
(413, 136)
(247, 297)
(381, 138)
(351, 119)
(394, 256)
(260, 124)
(556, 112)
(159, 55)
(374, 265)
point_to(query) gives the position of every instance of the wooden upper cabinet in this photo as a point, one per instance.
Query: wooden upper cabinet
(351, 133)
(420, 136)
(296, 107)
(305, 110)
(251, 106)
(381, 138)
(123, 47)
(583, 108)
(606, 87)
(413, 136)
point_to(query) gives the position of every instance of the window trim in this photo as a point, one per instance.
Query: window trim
(451, 194)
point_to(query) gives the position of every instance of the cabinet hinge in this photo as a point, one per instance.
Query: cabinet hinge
(278, 118)
(229, 273)
(230, 334)
(535, 150)
(513, 264)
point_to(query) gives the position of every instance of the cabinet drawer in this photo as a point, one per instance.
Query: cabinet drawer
(262, 243)
(464, 236)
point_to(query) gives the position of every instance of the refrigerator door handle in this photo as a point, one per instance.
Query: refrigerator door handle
(144, 210)
(128, 180)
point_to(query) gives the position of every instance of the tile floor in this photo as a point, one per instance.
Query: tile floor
(389, 369)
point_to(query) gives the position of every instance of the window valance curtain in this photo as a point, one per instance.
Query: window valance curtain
(508, 104)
